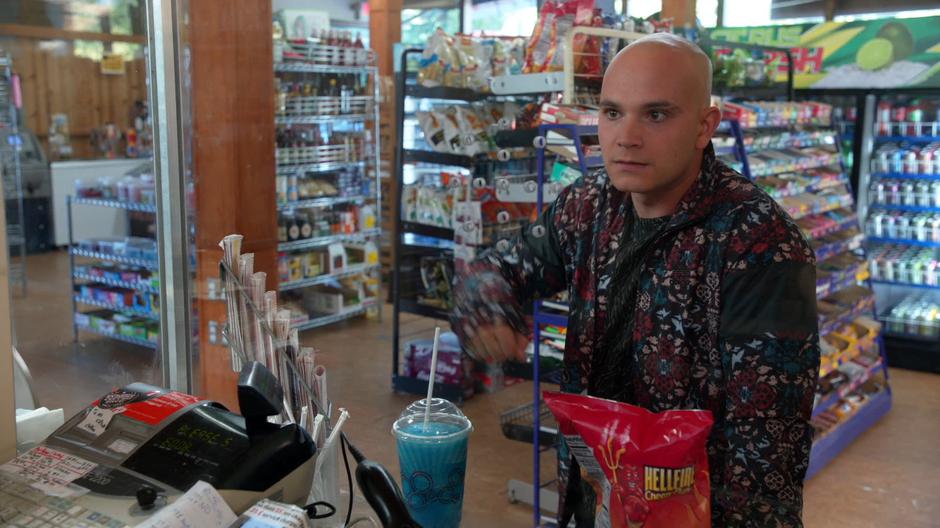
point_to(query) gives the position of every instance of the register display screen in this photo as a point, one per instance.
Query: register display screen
(202, 444)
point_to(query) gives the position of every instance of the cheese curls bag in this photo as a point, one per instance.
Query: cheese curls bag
(647, 469)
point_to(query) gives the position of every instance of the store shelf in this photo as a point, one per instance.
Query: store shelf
(115, 204)
(518, 424)
(550, 319)
(138, 286)
(905, 176)
(322, 119)
(907, 208)
(828, 208)
(416, 308)
(287, 169)
(527, 83)
(828, 447)
(828, 288)
(115, 308)
(329, 277)
(828, 401)
(813, 187)
(906, 284)
(515, 138)
(909, 139)
(326, 240)
(411, 239)
(303, 67)
(325, 201)
(849, 223)
(348, 313)
(515, 369)
(904, 241)
(437, 158)
(751, 92)
(863, 307)
(446, 93)
(427, 230)
(140, 263)
(794, 144)
(801, 168)
(119, 337)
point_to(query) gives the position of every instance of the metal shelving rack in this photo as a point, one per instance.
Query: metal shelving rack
(406, 232)
(413, 239)
(917, 346)
(356, 112)
(78, 276)
(12, 174)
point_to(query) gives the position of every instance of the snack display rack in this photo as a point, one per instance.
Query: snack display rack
(328, 188)
(118, 278)
(12, 173)
(807, 177)
(900, 193)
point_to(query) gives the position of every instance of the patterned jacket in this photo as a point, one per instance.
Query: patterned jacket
(725, 320)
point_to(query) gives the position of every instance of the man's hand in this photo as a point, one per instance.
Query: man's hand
(498, 342)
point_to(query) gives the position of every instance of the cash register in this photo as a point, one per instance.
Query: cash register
(141, 447)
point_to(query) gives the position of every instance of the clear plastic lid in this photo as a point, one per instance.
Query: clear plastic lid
(438, 406)
(447, 421)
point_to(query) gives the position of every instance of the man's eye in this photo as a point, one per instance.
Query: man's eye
(611, 114)
(657, 116)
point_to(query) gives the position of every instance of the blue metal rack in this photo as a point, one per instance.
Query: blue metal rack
(904, 241)
(540, 316)
(907, 208)
(906, 284)
(909, 139)
(907, 351)
(905, 176)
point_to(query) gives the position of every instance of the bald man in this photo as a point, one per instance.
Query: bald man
(689, 288)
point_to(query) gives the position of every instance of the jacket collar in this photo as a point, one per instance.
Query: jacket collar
(698, 200)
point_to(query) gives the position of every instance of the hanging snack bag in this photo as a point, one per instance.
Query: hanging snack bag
(433, 130)
(648, 470)
(474, 138)
(540, 41)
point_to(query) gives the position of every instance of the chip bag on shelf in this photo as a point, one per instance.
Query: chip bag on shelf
(647, 469)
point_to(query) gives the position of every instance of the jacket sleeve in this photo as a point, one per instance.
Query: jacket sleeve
(769, 345)
(501, 281)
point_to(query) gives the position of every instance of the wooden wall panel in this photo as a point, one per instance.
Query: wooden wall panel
(233, 156)
(56, 81)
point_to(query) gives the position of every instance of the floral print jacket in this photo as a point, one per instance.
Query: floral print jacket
(725, 320)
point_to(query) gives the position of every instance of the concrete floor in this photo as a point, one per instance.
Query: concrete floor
(889, 477)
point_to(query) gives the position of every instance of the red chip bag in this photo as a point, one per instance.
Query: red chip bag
(647, 469)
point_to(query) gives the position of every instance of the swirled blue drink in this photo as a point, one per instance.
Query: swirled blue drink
(433, 463)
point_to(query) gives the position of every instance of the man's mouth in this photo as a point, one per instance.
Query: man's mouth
(630, 164)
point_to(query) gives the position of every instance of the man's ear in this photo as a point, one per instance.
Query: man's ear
(710, 121)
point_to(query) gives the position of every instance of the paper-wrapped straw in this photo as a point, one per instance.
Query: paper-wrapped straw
(270, 312)
(246, 268)
(231, 248)
(319, 376)
(317, 429)
(293, 350)
(281, 334)
(256, 293)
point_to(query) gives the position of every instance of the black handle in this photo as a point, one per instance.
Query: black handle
(383, 494)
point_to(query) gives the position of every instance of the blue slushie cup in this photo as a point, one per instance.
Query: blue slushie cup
(433, 462)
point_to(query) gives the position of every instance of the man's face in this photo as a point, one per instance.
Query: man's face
(651, 124)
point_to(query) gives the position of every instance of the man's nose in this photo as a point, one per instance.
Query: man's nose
(629, 134)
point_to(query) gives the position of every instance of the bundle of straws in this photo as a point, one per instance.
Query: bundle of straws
(258, 331)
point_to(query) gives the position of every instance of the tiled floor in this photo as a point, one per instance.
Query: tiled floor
(889, 477)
